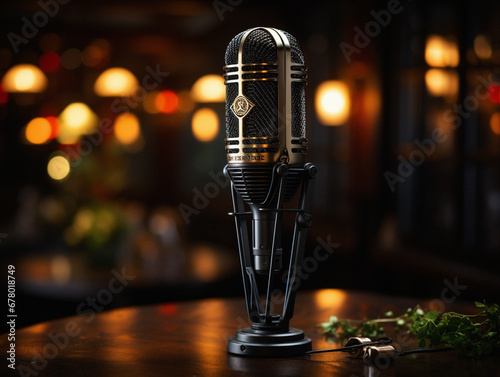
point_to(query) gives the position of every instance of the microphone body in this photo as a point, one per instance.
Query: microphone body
(265, 78)
(266, 148)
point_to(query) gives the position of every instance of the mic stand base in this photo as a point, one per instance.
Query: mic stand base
(249, 342)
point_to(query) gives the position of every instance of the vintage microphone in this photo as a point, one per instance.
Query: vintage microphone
(266, 147)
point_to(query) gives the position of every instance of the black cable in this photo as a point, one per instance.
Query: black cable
(341, 348)
(424, 350)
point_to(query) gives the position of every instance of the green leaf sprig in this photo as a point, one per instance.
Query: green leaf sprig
(474, 335)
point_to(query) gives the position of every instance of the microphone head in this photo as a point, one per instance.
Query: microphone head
(265, 78)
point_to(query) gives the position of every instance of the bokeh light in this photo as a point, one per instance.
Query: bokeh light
(3, 95)
(441, 52)
(209, 88)
(441, 82)
(332, 103)
(76, 120)
(58, 167)
(49, 61)
(495, 123)
(38, 131)
(116, 82)
(96, 55)
(92, 56)
(127, 128)
(166, 101)
(494, 93)
(482, 47)
(24, 78)
(205, 124)
(60, 267)
(55, 126)
(71, 58)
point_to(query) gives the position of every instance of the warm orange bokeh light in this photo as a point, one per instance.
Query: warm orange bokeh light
(441, 52)
(205, 124)
(495, 123)
(441, 82)
(332, 103)
(116, 82)
(38, 131)
(482, 47)
(127, 128)
(167, 101)
(25, 78)
(209, 88)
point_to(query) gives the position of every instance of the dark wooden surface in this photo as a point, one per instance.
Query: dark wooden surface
(190, 339)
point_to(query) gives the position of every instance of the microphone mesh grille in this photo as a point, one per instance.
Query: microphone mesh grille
(232, 89)
(296, 52)
(232, 49)
(231, 119)
(298, 91)
(264, 122)
(260, 47)
(298, 110)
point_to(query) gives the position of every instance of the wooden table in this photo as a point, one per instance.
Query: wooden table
(190, 339)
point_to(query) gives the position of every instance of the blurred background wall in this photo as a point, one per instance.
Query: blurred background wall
(111, 148)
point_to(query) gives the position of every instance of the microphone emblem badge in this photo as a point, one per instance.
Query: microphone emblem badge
(241, 106)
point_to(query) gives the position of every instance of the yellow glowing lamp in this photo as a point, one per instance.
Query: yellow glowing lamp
(24, 78)
(127, 128)
(442, 82)
(209, 88)
(76, 120)
(116, 82)
(441, 52)
(332, 103)
(205, 124)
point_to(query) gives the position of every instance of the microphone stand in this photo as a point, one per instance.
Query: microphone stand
(270, 334)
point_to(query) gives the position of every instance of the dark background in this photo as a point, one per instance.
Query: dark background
(439, 225)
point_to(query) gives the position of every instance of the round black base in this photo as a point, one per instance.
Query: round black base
(248, 342)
